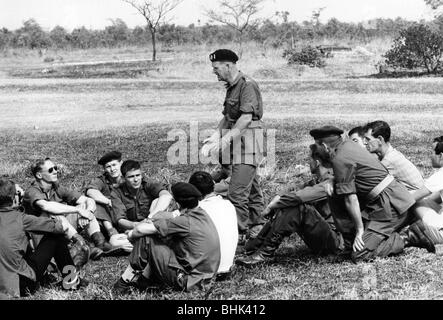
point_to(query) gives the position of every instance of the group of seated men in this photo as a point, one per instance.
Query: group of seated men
(359, 205)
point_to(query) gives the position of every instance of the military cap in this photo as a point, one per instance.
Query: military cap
(183, 191)
(113, 155)
(325, 131)
(223, 55)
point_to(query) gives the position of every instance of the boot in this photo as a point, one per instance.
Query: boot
(264, 254)
(100, 242)
(422, 236)
(79, 251)
(107, 249)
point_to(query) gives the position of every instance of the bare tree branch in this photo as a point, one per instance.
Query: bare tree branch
(154, 12)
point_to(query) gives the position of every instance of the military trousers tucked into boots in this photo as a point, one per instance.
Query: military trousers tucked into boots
(318, 233)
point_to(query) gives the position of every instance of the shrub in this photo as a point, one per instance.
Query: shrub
(308, 55)
(416, 47)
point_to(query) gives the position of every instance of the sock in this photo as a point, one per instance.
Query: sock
(129, 275)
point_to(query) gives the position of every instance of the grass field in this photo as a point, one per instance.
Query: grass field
(75, 121)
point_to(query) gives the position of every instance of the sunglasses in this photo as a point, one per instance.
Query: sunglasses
(50, 170)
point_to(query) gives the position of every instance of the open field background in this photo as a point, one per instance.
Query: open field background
(74, 121)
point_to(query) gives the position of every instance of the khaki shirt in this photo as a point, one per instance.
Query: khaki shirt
(194, 239)
(14, 245)
(357, 172)
(136, 207)
(243, 96)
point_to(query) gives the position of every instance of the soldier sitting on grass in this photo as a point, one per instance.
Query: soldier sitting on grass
(182, 253)
(100, 189)
(46, 197)
(21, 268)
(137, 198)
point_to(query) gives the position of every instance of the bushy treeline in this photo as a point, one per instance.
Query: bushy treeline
(32, 35)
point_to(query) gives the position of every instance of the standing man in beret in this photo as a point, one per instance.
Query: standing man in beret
(182, 253)
(377, 203)
(242, 113)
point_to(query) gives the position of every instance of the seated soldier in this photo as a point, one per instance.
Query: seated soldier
(21, 269)
(224, 216)
(137, 199)
(46, 197)
(100, 189)
(377, 140)
(375, 201)
(305, 211)
(357, 135)
(433, 186)
(182, 253)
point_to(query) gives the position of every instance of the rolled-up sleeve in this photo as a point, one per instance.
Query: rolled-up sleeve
(96, 184)
(435, 182)
(344, 173)
(41, 224)
(248, 99)
(178, 227)
(154, 188)
(31, 196)
(118, 208)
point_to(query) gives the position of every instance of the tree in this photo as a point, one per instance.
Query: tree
(31, 35)
(237, 14)
(434, 4)
(154, 12)
(59, 37)
(417, 46)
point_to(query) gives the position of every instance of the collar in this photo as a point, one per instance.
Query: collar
(240, 75)
(388, 150)
(37, 185)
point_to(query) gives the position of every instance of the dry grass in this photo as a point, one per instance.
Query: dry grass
(76, 121)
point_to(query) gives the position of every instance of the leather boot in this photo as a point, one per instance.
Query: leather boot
(264, 254)
(100, 242)
(422, 236)
(79, 251)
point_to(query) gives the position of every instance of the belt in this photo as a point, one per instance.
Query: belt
(380, 187)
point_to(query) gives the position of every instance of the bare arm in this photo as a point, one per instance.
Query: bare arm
(142, 229)
(56, 208)
(163, 202)
(98, 197)
(353, 208)
(127, 224)
(242, 123)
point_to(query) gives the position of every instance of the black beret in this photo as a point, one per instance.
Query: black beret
(223, 55)
(439, 148)
(113, 155)
(185, 191)
(325, 131)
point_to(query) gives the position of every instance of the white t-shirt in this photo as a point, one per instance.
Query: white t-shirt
(224, 216)
(435, 182)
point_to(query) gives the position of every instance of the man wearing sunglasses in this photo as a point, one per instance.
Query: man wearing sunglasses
(46, 197)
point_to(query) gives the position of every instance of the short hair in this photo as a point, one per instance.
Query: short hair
(203, 182)
(358, 130)
(38, 165)
(129, 165)
(319, 152)
(7, 192)
(379, 128)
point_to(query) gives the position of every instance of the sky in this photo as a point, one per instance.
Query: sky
(97, 14)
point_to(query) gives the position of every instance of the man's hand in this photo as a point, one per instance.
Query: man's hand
(359, 244)
(83, 222)
(86, 214)
(65, 224)
(212, 139)
(329, 188)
